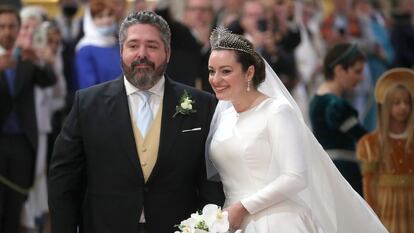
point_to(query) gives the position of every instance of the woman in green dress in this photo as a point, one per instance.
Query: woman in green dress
(334, 121)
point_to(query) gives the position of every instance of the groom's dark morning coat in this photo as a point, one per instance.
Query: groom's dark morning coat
(96, 180)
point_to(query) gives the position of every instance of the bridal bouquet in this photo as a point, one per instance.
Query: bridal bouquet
(211, 220)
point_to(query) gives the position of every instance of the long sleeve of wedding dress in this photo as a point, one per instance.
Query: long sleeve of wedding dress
(284, 139)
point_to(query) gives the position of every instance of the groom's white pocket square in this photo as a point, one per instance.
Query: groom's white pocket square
(191, 130)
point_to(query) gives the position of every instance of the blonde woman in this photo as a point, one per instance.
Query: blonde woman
(387, 153)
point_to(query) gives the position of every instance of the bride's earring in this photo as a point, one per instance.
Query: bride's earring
(248, 85)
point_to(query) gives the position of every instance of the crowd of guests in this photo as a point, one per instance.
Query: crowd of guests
(330, 55)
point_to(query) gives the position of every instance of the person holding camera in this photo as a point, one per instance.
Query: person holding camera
(266, 28)
(34, 40)
(253, 23)
(19, 74)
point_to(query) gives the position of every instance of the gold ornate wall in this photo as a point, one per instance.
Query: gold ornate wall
(50, 5)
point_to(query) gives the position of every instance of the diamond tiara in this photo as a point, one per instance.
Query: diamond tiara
(221, 38)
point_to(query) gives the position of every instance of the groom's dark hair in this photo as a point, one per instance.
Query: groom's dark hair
(145, 17)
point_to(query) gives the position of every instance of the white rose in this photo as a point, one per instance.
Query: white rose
(186, 104)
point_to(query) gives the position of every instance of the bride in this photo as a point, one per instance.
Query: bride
(276, 176)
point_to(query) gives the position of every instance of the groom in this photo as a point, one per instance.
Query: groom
(127, 160)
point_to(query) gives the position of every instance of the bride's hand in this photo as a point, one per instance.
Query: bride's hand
(237, 213)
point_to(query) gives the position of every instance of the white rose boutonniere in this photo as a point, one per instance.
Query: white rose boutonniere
(211, 220)
(185, 106)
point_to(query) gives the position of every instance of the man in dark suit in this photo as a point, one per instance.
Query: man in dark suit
(114, 171)
(18, 127)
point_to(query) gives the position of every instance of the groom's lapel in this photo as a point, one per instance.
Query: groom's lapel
(169, 128)
(116, 101)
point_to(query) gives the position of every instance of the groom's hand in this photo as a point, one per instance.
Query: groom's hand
(237, 213)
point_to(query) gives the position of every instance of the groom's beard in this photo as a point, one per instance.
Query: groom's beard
(143, 78)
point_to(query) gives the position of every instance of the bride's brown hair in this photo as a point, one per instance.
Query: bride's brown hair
(223, 39)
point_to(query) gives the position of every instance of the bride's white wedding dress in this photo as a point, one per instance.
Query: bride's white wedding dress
(268, 159)
(258, 155)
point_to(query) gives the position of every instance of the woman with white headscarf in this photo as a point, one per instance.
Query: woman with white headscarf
(97, 53)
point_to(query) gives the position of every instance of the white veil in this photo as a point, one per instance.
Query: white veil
(335, 206)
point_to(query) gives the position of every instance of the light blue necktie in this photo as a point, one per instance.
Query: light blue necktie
(144, 114)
